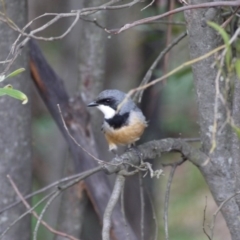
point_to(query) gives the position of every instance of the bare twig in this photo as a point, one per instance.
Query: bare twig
(166, 201)
(142, 201)
(182, 66)
(218, 210)
(230, 18)
(35, 214)
(149, 5)
(39, 219)
(204, 219)
(59, 189)
(149, 73)
(168, 22)
(177, 10)
(75, 141)
(120, 180)
(168, 37)
(52, 198)
(26, 213)
(154, 215)
(57, 183)
(17, 47)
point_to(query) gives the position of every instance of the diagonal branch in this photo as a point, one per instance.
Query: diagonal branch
(35, 214)
(77, 118)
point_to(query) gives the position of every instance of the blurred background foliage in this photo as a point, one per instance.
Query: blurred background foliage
(170, 108)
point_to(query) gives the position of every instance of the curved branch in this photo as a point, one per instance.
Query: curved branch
(154, 149)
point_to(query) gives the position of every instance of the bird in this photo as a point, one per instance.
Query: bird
(124, 122)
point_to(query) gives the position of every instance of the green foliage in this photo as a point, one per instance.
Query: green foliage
(15, 73)
(8, 89)
(226, 40)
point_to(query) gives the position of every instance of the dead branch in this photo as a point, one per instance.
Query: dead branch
(177, 10)
(118, 187)
(148, 75)
(35, 214)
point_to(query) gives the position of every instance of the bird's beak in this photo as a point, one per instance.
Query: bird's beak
(92, 104)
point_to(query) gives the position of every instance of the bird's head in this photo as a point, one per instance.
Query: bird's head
(108, 101)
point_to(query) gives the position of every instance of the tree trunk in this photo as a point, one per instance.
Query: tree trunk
(218, 171)
(15, 129)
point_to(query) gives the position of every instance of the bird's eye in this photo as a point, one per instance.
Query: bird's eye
(107, 100)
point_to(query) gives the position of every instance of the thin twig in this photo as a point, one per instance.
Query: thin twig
(223, 25)
(168, 38)
(168, 22)
(57, 183)
(177, 10)
(149, 73)
(175, 70)
(218, 210)
(39, 219)
(154, 215)
(35, 214)
(149, 5)
(204, 220)
(58, 192)
(26, 213)
(166, 201)
(142, 201)
(59, 189)
(78, 144)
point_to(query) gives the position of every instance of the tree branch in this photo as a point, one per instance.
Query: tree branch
(118, 187)
(35, 214)
(177, 10)
(154, 149)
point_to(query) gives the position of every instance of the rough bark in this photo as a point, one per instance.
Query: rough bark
(235, 150)
(92, 65)
(219, 171)
(15, 129)
(91, 55)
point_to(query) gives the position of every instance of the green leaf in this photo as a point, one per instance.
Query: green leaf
(237, 131)
(226, 40)
(8, 90)
(15, 73)
(237, 68)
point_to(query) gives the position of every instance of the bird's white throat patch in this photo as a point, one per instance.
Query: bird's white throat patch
(107, 111)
